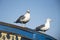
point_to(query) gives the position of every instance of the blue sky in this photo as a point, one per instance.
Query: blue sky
(40, 10)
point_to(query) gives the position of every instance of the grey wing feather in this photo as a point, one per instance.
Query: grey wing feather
(39, 27)
(21, 17)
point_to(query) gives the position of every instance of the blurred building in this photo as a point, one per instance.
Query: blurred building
(13, 32)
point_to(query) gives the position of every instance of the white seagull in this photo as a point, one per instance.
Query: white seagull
(45, 26)
(23, 19)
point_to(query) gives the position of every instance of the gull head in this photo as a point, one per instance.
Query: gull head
(48, 19)
(28, 11)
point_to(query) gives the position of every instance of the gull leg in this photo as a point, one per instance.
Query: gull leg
(23, 24)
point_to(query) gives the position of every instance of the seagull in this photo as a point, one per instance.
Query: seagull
(44, 27)
(23, 19)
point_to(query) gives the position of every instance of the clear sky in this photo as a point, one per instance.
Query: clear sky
(40, 10)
